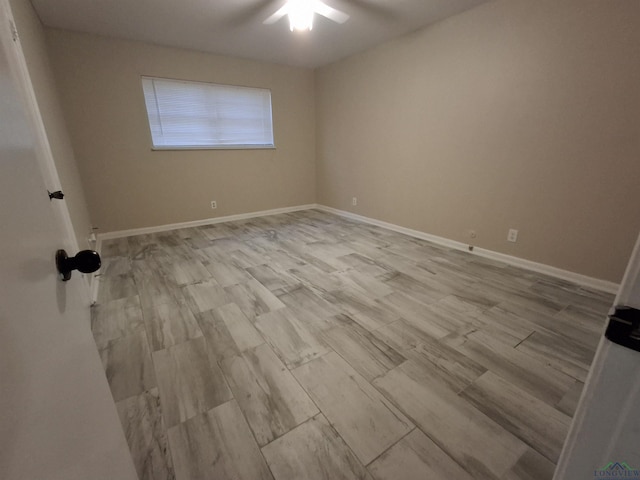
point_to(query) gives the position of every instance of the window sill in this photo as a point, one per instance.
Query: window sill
(222, 147)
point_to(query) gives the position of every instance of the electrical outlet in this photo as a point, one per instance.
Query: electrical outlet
(512, 236)
(354, 201)
(214, 204)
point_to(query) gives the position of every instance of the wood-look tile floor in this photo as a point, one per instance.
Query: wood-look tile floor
(305, 346)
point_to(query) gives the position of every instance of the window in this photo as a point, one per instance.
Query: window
(185, 115)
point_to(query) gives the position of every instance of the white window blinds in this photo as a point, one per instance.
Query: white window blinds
(186, 114)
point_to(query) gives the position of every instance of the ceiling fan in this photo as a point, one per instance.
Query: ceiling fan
(301, 14)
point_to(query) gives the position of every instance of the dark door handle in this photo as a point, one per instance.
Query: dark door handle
(86, 261)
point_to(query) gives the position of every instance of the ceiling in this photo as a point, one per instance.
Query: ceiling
(234, 27)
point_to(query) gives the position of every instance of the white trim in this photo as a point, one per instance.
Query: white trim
(199, 223)
(95, 280)
(629, 294)
(584, 280)
(396, 228)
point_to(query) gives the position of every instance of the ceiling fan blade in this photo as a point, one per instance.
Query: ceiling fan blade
(374, 8)
(281, 12)
(250, 10)
(329, 12)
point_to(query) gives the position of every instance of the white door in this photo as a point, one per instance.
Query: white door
(57, 418)
(604, 440)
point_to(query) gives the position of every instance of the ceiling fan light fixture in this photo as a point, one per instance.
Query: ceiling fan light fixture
(300, 15)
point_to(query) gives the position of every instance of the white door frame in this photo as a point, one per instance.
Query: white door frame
(605, 427)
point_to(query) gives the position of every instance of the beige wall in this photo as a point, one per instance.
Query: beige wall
(32, 40)
(515, 114)
(130, 186)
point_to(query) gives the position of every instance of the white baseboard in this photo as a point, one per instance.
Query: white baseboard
(95, 281)
(200, 223)
(584, 280)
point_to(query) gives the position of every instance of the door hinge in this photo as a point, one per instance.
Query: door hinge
(58, 195)
(14, 31)
(624, 327)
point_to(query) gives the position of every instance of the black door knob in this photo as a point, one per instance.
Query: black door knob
(85, 261)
